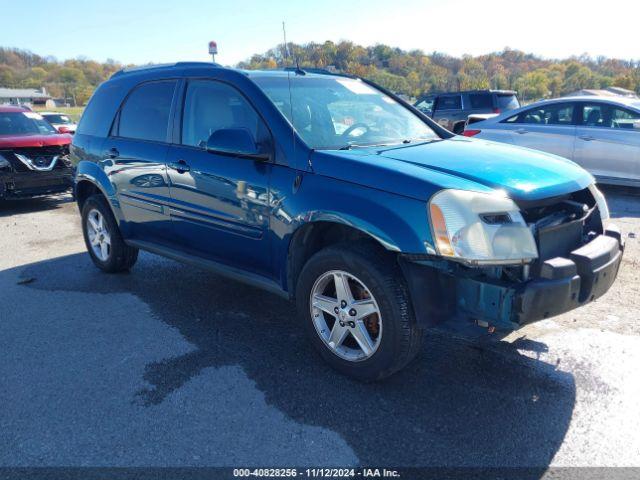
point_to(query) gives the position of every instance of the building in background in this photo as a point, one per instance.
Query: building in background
(26, 96)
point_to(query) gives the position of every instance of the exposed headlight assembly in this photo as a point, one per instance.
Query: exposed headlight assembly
(603, 208)
(480, 228)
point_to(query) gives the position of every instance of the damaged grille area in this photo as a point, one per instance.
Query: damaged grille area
(563, 224)
(559, 225)
(40, 157)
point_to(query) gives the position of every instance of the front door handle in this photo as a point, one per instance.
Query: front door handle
(112, 153)
(521, 131)
(180, 166)
(586, 138)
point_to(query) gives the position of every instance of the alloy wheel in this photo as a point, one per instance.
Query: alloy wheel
(346, 315)
(99, 236)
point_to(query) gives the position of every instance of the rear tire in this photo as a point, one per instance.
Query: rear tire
(105, 244)
(374, 277)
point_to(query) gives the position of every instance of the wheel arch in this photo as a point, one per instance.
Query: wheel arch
(312, 237)
(91, 179)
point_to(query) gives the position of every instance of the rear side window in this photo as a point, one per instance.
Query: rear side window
(449, 102)
(145, 113)
(481, 101)
(507, 102)
(554, 114)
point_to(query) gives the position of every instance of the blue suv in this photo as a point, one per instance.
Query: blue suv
(338, 195)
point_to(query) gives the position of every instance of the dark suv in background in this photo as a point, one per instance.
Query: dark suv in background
(452, 109)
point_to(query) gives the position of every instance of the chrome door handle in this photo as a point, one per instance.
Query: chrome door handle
(180, 166)
(586, 138)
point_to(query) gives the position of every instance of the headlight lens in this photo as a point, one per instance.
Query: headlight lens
(480, 228)
(601, 202)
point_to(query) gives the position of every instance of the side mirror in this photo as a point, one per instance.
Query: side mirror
(234, 141)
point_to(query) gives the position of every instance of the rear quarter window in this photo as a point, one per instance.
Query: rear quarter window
(98, 115)
(507, 102)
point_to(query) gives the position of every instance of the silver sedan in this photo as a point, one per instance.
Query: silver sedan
(602, 134)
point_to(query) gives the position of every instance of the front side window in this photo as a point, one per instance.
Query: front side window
(425, 105)
(210, 106)
(622, 118)
(554, 114)
(608, 116)
(24, 123)
(145, 113)
(449, 102)
(336, 112)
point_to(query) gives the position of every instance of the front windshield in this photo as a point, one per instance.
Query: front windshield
(337, 112)
(24, 123)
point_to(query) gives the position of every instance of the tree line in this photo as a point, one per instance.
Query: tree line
(71, 79)
(413, 73)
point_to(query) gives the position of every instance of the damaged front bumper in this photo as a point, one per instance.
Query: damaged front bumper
(443, 291)
(15, 185)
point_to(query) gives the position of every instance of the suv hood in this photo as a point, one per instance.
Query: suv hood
(459, 162)
(17, 141)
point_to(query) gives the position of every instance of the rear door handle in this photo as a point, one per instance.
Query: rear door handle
(112, 153)
(180, 166)
(586, 138)
(521, 131)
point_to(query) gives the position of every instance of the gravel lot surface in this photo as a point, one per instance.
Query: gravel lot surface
(170, 365)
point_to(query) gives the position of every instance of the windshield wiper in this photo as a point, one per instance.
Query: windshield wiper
(349, 146)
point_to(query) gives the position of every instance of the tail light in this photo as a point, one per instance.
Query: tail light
(63, 129)
(496, 110)
(471, 133)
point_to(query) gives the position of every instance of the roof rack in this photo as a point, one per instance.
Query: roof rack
(143, 68)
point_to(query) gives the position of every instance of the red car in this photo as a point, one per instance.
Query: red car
(34, 157)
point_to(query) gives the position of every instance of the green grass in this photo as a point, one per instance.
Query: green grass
(73, 112)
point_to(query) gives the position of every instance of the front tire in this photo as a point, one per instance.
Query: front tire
(105, 244)
(356, 309)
